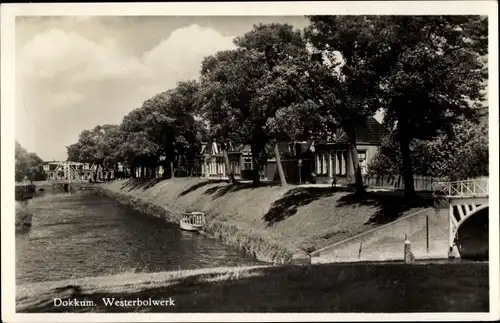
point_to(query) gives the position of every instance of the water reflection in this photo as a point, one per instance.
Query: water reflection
(79, 234)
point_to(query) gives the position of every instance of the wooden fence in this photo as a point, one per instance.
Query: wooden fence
(421, 183)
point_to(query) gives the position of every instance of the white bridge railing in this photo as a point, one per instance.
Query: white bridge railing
(462, 189)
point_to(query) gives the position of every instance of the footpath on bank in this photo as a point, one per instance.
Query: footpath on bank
(325, 288)
(273, 223)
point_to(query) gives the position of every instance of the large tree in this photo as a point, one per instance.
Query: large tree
(143, 138)
(433, 76)
(171, 121)
(97, 146)
(167, 124)
(348, 48)
(273, 49)
(426, 70)
(21, 162)
(27, 164)
(224, 97)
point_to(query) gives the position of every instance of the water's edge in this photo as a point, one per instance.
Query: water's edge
(23, 217)
(231, 235)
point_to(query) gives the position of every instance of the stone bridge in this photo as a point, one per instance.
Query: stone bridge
(468, 204)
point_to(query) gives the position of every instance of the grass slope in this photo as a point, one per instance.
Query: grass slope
(270, 221)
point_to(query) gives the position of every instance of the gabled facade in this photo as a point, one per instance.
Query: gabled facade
(240, 160)
(333, 159)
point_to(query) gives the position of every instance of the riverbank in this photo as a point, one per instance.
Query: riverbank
(333, 288)
(83, 235)
(23, 216)
(273, 223)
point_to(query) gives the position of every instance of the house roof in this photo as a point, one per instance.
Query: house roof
(370, 133)
(211, 148)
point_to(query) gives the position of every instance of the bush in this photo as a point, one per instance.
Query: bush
(467, 143)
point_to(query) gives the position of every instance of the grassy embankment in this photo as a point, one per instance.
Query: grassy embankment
(375, 288)
(271, 222)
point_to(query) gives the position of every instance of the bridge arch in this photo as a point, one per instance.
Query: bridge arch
(471, 235)
(468, 201)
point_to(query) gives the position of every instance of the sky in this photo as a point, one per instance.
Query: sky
(75, 72)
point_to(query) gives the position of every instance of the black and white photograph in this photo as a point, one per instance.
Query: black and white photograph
(319, 159)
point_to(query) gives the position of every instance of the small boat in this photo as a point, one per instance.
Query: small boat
(192, 221)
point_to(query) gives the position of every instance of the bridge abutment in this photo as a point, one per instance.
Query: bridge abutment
(466, 199)
(460, 210)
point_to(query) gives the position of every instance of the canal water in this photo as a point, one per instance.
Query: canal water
(80, 234)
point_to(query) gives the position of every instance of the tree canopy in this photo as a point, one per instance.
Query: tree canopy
(283, 84)
(467, 142)
(425, 71)
(27, 165)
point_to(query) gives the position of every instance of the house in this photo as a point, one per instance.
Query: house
(240, 160)
(333, 157)
(302, 161)
(297, 160)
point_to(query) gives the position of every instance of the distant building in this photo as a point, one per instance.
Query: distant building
(55, 170)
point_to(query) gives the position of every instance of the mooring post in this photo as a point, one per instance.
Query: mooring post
(408, 256)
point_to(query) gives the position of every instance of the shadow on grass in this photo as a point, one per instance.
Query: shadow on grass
(293, 199)
(202, 184)
(391, 205)
(221, 190)
(144, 183)
(355, 288)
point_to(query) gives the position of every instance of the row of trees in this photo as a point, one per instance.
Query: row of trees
(284, 84)
(27, 165)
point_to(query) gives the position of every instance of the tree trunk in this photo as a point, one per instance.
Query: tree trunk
(258, 146)
(279, 165)
(172, 175)
(360, 189)
(229, 171)
(255, 166)
(404, 146)
(165, 169)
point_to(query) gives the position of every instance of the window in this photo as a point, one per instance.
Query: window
(362, 161)
(248, 163)
(318, 164)
(324, 161)
(235, 166)
(343, 164)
